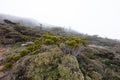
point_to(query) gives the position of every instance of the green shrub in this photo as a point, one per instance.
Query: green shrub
(25, 37)
(72, 43)
(37, 41)
(9, 58)
(36, 52)
(12, 58)
(16, 57)
(77, 40)
(62, 38)
(54, 38)
(48, 42)
(84, 42)
(31, 48)
(46, 36)
(24, 52)
(8, 65)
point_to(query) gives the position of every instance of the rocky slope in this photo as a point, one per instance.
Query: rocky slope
(99, 60)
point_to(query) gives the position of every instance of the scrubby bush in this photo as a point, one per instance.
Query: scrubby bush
(24, 52)
(37, 44)
(36, 51)
(9, 58)
(61, 39)
(36, 47)
(31, 48)
(37, 41)
(72, 43)
(8, 65)
(84, 42)
(45, 36)
(48, 42)
(13, 58)
(25, 37)
(54, 38)
(16, 57)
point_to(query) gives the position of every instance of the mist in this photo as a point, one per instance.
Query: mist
(93, 17)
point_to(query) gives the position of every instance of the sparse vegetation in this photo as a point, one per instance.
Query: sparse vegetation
(24, 52)
(13, 58)
(56, 54)
(7, 65)
(25, 37)
(48, 42)
(71, 43)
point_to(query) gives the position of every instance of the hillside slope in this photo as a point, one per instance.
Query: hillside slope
(32, 57)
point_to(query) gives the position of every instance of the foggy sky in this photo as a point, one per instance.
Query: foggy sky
(101, 17)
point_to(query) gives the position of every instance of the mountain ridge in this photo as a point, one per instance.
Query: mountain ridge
(22, 21)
